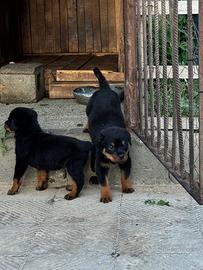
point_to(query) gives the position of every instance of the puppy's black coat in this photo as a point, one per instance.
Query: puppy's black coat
(109, 135)
(45, 152)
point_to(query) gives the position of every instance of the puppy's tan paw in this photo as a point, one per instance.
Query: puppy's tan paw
(127, 185)
(106, 199)
(15, 187)
(105, 194)
(42, 186)
(12, 192)
(70, 196)
(128, 190)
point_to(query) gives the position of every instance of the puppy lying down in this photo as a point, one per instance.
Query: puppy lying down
(45, 152)
(110, 137)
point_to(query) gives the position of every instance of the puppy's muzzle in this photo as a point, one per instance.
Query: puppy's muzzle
(7, 128)
(118, 158)
(121, 156)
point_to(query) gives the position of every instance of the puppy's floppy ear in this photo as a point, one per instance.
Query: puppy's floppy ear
(33, 113)
(100, 139)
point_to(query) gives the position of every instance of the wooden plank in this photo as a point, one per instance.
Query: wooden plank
(33, 20)
(61, 61)
(43, 59)
(67, 62)
(131, 101)
(104, 25)
(78, 62)
(56, 26)
(14, 44)
(119, 33)
(49, 44)
(96, 26)
(88, 26)
(81, 26)
(105, 62)
(112, 26)
(10, 39)
(64, 25)
(72, 26)
(64, 90)
(87, 75)
(25, 26)
(40, 25)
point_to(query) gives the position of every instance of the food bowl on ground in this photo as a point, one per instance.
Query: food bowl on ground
(83, 94)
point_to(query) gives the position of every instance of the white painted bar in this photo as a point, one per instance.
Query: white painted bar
(183, 72)
(182, 7)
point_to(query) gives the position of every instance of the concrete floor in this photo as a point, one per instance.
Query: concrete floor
(42, 230)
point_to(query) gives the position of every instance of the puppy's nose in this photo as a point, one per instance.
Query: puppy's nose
(121, 155)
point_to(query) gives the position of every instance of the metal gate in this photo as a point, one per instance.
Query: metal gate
(163, 45)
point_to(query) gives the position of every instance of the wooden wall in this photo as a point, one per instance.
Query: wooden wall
(68, 26)
(10, 38)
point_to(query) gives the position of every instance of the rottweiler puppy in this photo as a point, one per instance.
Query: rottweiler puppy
(45, 152)
(109, 136)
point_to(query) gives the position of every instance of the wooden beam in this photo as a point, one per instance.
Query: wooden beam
(201, 98)
(119, 33)
(87, 75)
(65, 90)
(131, 100)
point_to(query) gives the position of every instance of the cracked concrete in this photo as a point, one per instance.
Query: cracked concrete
(39, 229)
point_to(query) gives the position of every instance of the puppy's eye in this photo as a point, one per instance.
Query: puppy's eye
(123, 143)
(111, 147)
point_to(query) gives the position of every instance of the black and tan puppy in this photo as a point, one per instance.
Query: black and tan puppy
(45, 152)
(109, 135)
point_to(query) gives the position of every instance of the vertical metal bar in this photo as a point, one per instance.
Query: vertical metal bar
(156, 13)
(190, 89)
(174, 133)
(131, 101)
(201, 98)
(177, 84)
(150, 55)
(140, 64)
(145, 67)
(165, 87)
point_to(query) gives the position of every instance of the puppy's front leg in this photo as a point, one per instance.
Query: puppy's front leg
(20, 168)
(102, 174)
(126, 182)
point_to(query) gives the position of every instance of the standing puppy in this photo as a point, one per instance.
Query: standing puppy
(109, 135)
(45, 152)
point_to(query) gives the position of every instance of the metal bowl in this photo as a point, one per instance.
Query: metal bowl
(83, 94)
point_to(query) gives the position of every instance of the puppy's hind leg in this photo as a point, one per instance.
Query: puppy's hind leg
(126, 182)
(77, 176)
(20, 169)
(42, 180)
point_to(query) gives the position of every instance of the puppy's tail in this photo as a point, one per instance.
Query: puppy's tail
(102, 80)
